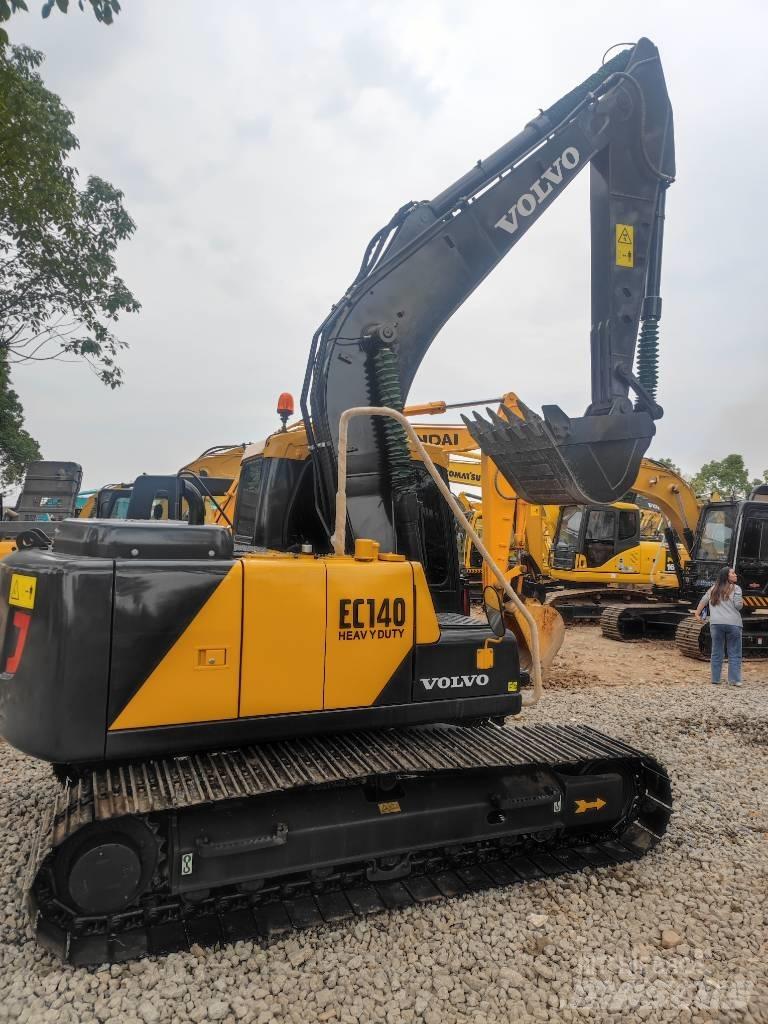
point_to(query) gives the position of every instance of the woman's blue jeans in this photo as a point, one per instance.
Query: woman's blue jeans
(726, 638)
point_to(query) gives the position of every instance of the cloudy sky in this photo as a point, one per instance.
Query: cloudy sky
(260, 145)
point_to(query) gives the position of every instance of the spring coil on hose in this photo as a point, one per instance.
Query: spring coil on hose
(386, 379)
(648, 357)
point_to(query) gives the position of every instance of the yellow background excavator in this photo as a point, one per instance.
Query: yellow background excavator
(197, 493)
(576, 558)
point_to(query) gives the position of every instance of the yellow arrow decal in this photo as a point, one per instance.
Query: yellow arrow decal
(589, 805)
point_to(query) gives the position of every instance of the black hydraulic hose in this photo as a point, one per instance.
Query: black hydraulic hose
(674, 555)
(189, 475)
(648, 342)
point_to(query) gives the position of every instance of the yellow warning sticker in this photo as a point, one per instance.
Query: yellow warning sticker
(389, 807)
(512, 686)
(625, 245)
(22, 591)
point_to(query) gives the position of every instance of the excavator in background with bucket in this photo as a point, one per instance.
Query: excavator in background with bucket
(578, 558)
(48, 496)
(271, 729)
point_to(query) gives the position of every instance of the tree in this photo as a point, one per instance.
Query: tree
(670, 465)
(728, 476)
(104, 10)
(59, 287)
(17, 448)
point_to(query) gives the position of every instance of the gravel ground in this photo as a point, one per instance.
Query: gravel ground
(596, 946)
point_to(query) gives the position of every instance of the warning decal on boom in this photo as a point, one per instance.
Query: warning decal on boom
(625, 245)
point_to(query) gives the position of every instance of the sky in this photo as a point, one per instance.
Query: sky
(259, 146)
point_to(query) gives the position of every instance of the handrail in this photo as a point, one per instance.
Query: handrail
(338, 540)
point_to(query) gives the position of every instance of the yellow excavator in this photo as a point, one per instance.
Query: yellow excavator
(292, 722)
(197, 493)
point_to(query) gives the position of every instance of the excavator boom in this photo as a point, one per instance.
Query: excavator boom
(430, 257)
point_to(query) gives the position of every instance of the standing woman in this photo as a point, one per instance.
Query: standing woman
(725, 604)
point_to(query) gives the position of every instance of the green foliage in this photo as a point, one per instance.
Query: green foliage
(104, 11)
(17, 448)
(59, 287)
(670, 466)
(728, 476)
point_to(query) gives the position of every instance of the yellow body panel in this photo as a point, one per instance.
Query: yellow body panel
(284, 635)
(644, 564)
(318, 633)
(88, 511)
(219, 463)
(199, 678)
(369, 630)
(6, 547)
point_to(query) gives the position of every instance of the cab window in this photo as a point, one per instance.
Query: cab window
(627, 524)
(119, 508)
(716, 533)
(599, 538)
(248, 490)
(755, 543)
(570, 526)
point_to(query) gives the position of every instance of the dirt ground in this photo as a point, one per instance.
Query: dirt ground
(587, 657)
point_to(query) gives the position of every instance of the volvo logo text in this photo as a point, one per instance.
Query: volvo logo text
(454, 682)
(539, 190)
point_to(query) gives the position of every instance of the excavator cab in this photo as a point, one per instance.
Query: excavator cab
(589, 536)
(275, 510)
(734, 533)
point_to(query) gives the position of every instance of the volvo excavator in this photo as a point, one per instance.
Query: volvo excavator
(250, 737)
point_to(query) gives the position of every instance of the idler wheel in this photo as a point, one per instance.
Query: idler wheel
(106, 867)
(105, 877)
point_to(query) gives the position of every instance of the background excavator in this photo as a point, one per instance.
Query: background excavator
(577, 558)
(48, 495)
(719, 533)
(197, 493)
(250, 740)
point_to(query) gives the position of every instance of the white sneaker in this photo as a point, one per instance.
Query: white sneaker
(738, 683)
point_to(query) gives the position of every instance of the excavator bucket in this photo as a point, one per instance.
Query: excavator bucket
(551, 629)
(562, 461)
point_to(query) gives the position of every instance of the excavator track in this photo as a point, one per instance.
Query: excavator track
(124, 813)
(633, 623)
(589, 604)
(693, 639)
(637, 622)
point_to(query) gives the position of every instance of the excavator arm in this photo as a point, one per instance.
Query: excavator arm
(422, 265)
(673, 495)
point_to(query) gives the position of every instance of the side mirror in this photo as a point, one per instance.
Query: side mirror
(494, 611)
